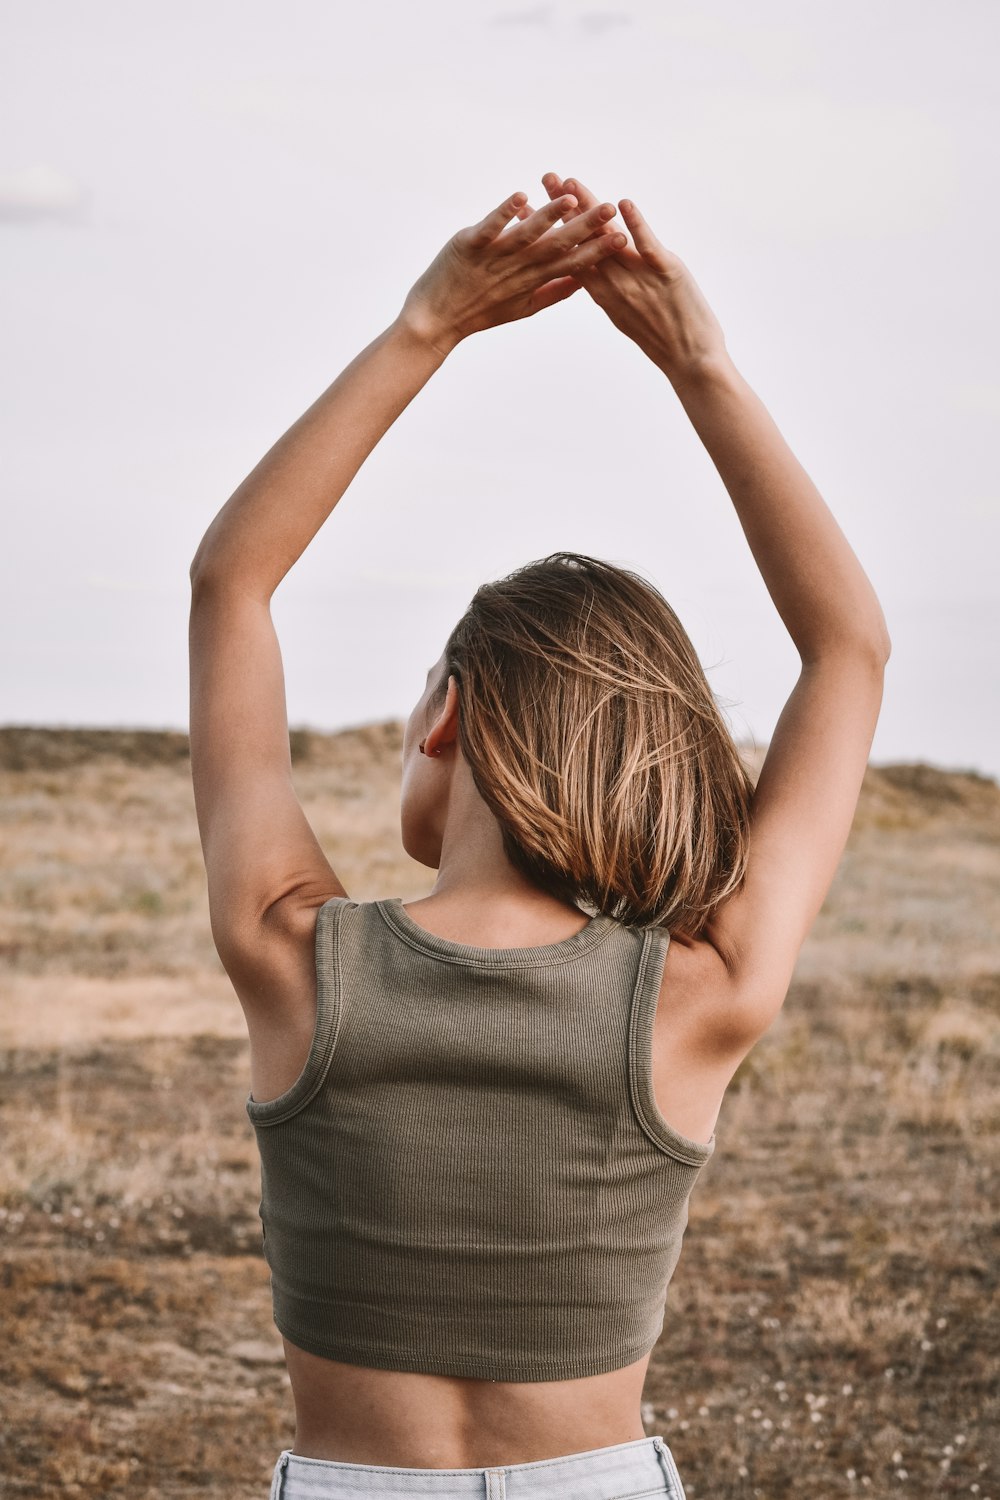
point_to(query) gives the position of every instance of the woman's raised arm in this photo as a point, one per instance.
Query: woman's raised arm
(266, 871)
(807, 791)
(808, 787)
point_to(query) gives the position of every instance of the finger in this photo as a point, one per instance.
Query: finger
(585, 257)
(487, 229)
(583, 195)
(554, 186)
(554, 291)
(645, 240)
(524, 212)
(595, 221)
(556, 242)
(539, 222)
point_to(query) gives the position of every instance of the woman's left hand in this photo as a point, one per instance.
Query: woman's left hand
(488, 274)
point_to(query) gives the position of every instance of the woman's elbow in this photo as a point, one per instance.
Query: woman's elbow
(884, 643)
(873, 639)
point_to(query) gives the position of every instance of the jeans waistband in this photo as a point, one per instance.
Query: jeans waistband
(642, 1467)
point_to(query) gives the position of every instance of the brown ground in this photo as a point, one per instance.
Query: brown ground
(833, 1328)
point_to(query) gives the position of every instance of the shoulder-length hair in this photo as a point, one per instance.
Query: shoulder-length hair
(593, 736)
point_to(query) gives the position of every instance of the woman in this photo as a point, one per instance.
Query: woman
(481, 1114)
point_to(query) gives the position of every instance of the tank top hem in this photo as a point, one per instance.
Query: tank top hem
(371, 1357)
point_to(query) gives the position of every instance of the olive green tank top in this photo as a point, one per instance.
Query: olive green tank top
(470, 1176)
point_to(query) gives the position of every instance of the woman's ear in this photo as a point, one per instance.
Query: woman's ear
(443, 729)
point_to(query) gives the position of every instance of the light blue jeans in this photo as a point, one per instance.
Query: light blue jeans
(624, 1471)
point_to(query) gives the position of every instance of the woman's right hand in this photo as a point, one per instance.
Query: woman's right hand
(647, 292)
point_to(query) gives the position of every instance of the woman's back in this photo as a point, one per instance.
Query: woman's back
(477, 1175)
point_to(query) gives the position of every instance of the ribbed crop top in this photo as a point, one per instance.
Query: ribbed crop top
(470, 1176)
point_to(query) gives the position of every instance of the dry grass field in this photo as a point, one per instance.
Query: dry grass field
(833, 1328)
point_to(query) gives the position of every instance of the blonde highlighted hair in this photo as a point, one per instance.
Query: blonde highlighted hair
(593, 736)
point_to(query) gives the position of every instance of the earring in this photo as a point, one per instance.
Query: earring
(424, 752)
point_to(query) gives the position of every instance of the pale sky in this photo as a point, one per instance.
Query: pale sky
(207, 209)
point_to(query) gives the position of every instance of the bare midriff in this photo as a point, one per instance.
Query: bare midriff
(418, 1421)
